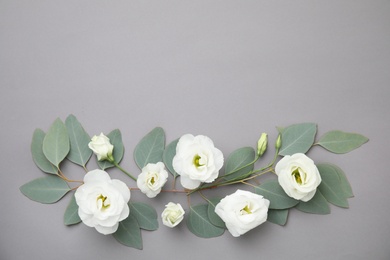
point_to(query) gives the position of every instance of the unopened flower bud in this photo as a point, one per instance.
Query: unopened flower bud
(278, 143)
(262, 144)
(102, 147)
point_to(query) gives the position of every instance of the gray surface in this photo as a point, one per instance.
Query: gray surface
(226, 69)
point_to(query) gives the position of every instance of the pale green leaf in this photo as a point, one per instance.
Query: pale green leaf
(213, 217)
(71, 216)
(37, 153)
(348, 193)
(115, 137)
(150, 149)
(317, 205)
(272, 191)
(56, 143)
(47, 189)
(199, 224)
(341, 142)
(239, 163)
(79, 151)
(331, 187)
(297, 138)
(145, 215)
(129, 233)
(278, 216)
(169, 153)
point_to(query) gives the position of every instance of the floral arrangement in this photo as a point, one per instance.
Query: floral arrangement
(106, 205)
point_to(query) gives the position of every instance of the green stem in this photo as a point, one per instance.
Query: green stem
(123, 170)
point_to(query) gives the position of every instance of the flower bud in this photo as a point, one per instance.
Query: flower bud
(102, 147)
(172, 215)
(278, 143)
(262, 144)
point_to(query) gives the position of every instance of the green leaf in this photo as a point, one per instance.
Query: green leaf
(79, 151)
(317, 205)
(71, 216)
(341, 142)
(348, 193)
(145, 215)
(115, 137)
(199, 224)
(150, 149)
(278, 216)
(213, 217)
(169, 153)
(237, 161)
(331, 186)
(129, 233)
(47, 189)
(37, 153)
(56, 143)
(297, 138)
(272, 191)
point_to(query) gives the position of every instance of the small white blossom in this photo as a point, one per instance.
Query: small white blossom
(172, 215)
(152, 179)
(101, 146)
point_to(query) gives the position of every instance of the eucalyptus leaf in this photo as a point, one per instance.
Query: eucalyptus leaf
(272, 191)
(331, 186)
(345, 185)
(79, 151)
(213, 217)
(237, 161)
(129, 233)
(168, 154)
(278, 216)
(317, 205)
(145, 215)
(150, 149)
(37, 153)
(297, 138)
(341, 142)
(71, 216)
(49, 189)
(199, 223)
(115, 137)
(56, 143)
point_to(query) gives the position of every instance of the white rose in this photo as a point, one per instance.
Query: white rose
(196, 160)
(298, 176)
(152, 179)
(172, 215)
(242, 211)
(101, 146)
(102, 202)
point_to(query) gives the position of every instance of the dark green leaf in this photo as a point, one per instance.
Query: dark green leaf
(56, 143)
(129, 233)
(169, 153)
(37, 153)
(150, 149)
(237, 163)
(341, 142)
(71, 215)
(145, 215)
(213, 217)
(199, 224)
(297, 138)
(115, 137)
(317, 205)
(278, 216)
(272, 191)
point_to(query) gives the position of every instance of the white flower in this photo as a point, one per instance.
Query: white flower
(197, 160)
(242, 211)
(172, 215)
(101, 146)
(102, 202)
(298, 176)
(152, 179)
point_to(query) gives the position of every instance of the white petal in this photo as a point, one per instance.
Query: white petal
(122, 188)
(96, 176)
(189, 183)
(107, 230)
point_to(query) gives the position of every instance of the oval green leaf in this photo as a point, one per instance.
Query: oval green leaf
(297, 138)
(341, 142)
(129, 233)
(278, 216)
(37, 153)
(150, 149)
(239, 163)
(79, 151)
(330, 185)
(168, 154)
(71, 216)
(272, 191)
(199, 223)
(115, 137)
(56, 143)
(145, 215)
(49, 189)
(213, 217)
(317, 205)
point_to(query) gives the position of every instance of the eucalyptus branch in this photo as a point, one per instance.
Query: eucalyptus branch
(123, 170)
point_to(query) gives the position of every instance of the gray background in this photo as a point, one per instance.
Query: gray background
(226, 69)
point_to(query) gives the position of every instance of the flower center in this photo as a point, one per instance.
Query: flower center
(297, 176)
(197, 161)
(102, 202)
(246, 210)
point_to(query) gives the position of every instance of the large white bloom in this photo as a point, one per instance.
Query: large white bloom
(172, 215)
(196, 160)
(152, 179)
(242, 211)
(298, 176)
(102, 202)
(101, 146)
